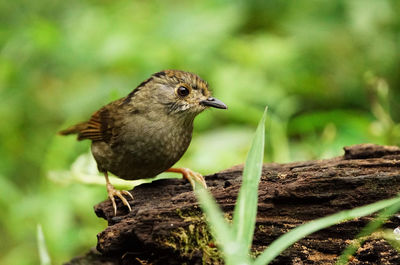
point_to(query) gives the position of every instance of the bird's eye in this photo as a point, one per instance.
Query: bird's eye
(183, 91)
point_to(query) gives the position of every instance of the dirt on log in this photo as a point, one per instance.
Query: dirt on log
(166, 225)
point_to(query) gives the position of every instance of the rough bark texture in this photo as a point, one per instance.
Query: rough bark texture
(166, 225)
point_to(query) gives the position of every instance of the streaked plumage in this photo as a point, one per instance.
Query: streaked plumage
(148, 131)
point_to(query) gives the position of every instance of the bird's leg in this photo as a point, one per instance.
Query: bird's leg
(119, 193)
(190, 175)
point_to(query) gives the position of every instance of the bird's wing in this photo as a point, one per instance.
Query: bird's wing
(99, 127)
(103, 125)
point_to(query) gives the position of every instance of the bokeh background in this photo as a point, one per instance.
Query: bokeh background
(328, 70)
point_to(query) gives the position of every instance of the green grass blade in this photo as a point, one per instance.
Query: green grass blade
(221, 229)
(392, 238)
(371, 227)
(43, 253)
(245, 213)
(286, 240)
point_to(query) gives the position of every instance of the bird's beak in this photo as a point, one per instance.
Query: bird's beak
(213, 102)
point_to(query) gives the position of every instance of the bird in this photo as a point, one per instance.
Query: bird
(146, 132)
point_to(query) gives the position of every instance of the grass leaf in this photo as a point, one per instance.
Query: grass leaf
(220, 229)
(246, 206)
(43, 253)
(286, 240)
(371, 227)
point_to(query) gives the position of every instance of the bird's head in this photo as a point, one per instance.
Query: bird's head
(179, 92)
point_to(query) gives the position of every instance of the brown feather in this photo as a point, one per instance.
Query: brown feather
(73, 129)
(96, 129)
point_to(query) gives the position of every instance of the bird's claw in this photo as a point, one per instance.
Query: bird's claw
(190, 175)
(194, 177)
(112, 192)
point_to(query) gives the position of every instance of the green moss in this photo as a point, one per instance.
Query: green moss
(192, 238)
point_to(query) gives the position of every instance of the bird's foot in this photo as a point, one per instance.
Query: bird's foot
(190, 175)
(112, 192)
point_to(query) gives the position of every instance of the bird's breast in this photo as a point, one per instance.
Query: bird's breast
(149, 148)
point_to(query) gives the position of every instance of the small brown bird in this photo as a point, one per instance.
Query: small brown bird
(147, 132)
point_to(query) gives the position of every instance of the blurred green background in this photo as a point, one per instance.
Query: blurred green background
(328, 70)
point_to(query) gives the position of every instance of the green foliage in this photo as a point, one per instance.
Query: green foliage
(372, 226)
(226, 239)
(245, 212)
(328, 72)
(43, 253)
(235, 240)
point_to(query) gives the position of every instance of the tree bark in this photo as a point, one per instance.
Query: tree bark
(166, 225)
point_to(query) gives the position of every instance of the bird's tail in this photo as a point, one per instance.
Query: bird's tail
(76, 129)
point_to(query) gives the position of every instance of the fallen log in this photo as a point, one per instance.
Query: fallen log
(166, 225)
